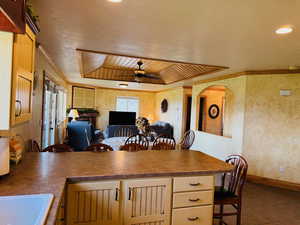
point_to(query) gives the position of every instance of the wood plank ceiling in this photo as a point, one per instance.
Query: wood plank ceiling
(107, 66)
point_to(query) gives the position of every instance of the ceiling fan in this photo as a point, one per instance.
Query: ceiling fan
(141, 73)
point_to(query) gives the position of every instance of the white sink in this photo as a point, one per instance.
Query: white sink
(25, 209)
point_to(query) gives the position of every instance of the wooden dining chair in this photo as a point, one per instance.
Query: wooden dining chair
(34, 146)
(99, 148)
(230, 193)
(58, 148)
(139, 139)
(132, 147)
(164, 142)
(187, 140)
(124, 132)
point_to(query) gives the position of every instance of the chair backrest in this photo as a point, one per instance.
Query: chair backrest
(34, 146)
(124, 132)
(58, 148)
(80, 134)
(234, 181)
(132, 147)
(187, 140)
(139, 139)
(164, 142)
(99, 148)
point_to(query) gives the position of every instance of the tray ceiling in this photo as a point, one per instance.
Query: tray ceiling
(106, 66)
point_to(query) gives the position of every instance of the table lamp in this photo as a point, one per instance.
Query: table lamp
(74, 114)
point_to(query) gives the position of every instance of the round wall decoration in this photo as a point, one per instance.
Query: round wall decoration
(214, 111)
(164, 105)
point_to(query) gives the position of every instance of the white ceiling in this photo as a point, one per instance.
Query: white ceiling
(235, 33)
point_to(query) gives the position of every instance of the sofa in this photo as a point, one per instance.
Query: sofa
(111, 129)
(161, 127)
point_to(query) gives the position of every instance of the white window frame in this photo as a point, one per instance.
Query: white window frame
(129, 98)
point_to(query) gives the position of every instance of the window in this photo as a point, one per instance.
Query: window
(127, 104)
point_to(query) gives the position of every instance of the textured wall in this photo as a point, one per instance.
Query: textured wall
(219, 146)
(175, 112)
(272, 127)
(106, 101)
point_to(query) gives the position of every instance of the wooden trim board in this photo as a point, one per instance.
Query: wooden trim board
(273, 182)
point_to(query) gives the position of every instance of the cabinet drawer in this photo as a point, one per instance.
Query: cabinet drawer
(193, 216)
(193, 183)
(188, 199)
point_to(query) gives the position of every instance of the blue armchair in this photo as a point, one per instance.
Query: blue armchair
(81, 134)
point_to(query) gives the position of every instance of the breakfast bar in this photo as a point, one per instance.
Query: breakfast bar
(148, 185)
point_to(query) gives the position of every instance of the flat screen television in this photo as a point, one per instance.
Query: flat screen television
(122, 118)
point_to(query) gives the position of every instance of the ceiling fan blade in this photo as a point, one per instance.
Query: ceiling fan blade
(151, 76)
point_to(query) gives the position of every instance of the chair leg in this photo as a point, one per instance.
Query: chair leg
(239, 213)
(221, 214)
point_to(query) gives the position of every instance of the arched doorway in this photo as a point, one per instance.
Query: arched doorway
(214, 110)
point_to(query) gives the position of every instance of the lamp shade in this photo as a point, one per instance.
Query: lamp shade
(73, 113)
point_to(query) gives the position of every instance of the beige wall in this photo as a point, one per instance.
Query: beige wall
(105, 101)
(175, 112)
(265, 126)
(6, 53)
(272, 127)
(32, 129)
(219, 146)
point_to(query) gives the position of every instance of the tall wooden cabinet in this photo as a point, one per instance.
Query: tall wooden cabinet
(23, 76)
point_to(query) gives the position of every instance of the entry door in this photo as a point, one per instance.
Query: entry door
(53, 119)
(49, 114)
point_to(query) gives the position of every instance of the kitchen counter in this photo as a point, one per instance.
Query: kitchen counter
(49, 172)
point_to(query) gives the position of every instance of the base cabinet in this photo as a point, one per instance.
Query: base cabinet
(152, 201)
(94, 203)
(147, 202)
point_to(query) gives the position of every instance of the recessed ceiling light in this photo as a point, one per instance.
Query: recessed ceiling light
(284, 30)
(115, 1)
(123, 85)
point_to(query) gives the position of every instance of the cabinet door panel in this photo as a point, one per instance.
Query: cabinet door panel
(22, 82)
(24, 94)
(24, 51)
(93, 203)
(147, 201)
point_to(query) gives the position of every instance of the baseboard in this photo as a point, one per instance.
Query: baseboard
(273, 182)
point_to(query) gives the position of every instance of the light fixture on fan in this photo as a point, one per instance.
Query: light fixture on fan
(123, 85)
(115, 1)
(284, 30)
(140, 73)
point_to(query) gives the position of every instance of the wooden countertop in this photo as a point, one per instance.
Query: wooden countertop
(48, 172)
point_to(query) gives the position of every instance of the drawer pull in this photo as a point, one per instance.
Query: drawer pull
(194, 200)
(193, 218)
(195, 184)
